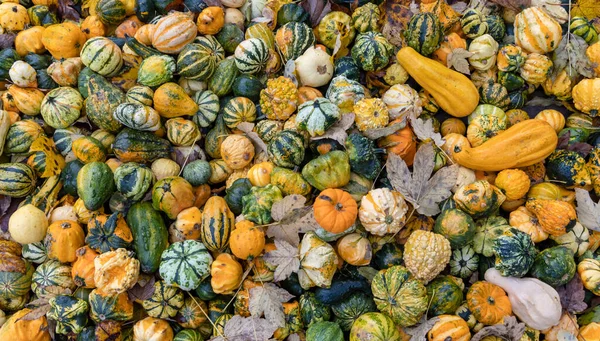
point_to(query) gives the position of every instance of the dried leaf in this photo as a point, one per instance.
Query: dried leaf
(214, 3)
(585, 8)
(564, 335)
(300, 220)
(378, 133)
(285, 257)
(588, 212)
(7, 40)
(267, 300)
(572, 295)
(36, 313)
(338, 130)
(259, 144)
(14, 205)
(425, 132)
(316, 10)
(67, 11)
(511, 329)
(460, 6)
(246, 329)
(570, 56)
(38, 303)
(142, 291)
(517, 5)
(293, 337)
(419, 332)
(4, 204)
(368, 272)
(422, 192)
(397, 14)
(289, 71)
(457, 59)
(283, 207)
(539, 101)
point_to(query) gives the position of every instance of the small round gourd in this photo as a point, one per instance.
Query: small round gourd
(473, 23)
(182, 132)
(197, 172)
(251, 55)
(63, 238)
(28, 224)
(61, 107)
(453, 126)
(554, 117)
(484, 50)
(488, 302)
(23, 74)
(156, 70)
(354, 249)
(335, 210)
(536, 31)
(102, 56)
(449, 327)
(260, 174)
(382, 211)
(371, 113)
(247, 241)
(536, 68)
(314, 67)
(226, 274)
(238, 110)
(237, 151)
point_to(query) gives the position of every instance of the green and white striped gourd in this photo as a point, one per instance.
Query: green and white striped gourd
(137, 116)
(251, 55)
(102, 56)
(140, 94)
(199, 59)
(208, 108)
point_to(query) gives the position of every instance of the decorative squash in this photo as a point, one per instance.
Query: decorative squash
(108, 233)
(589, 270)
(17, 328)
(198, 60)
(354, 249)
(51, 277)
(83, 267)
(191, 315)
(28, 224)
(371, 51)
(116, 307)
(473, 23)
(335, 210)
(426, 254)
(286, 149)
(279, 99)
(257, 204)
(164, 302)
(70, 314)
(251, 55)
(247, 241)
(116, 271)
(226, 274)
(95, 184)
(479, 198)
(335, 23)
(464, 262)
(88, 149)
(371, 113)
(217, 223)
(457, 226)
(536, 68)
(210, 20)
(61, 107)
(173, 32)
(260, 174)
(449, 327)
(290, 182)
(294, 38)
(423, 33)
(488, 302)
(331, 170)
(102, 56)
(156, 70)
(484, 50)
(170, 100)
(63, 40)
(584, 96)
(314, 68)
(374, 326)
(554, 216)
(237, 151)
(30, 41)
(525, 221)
(554, 266)
(515, 252)
(172, 195)
(536, 31)
(514, 183)
(63, 238)
(485, 122)
(152, 329)
(13, 17)
(318, 262)
(185, 264)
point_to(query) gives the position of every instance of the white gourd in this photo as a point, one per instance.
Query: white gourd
(536, 303)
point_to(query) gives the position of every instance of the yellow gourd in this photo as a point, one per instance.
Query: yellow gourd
(452, 91)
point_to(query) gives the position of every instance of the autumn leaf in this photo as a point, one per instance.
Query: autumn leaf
(246, 329)
(67, 11)
(377, 133)
(572, 295)
(259, 144)
(338, 130)
(397, 14)
(7, 40)
(425, 132)
(588, 212)
(570, 56)
(423, 192)
(268, 299)
(419, 332)
(285, 257)
(586, 8)
(516, 5)
(511, 329)
(143, 289)
(36, 313)
(316, 10)
(291, 217)
(457, 59)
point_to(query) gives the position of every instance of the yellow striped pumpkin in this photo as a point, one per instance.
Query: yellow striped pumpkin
(217, 223)
(173, 32)
(449, 327)
(536, 31)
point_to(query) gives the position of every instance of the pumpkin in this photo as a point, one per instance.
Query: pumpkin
(182, 132)
(317, 116)
(19, 329)
(553, 215)
(61, 107)
(484, 50)
(449, 327)
(185, 264)
(589, 331)
(13, 17)
(51, 276)
(172, 195)
(536, 68)
(63, 40)
(333, 24)
(525, 221)
(251, 55)
(217, 223)
(488, 302)
(152, 329)
(584, 96)
(34, 252)
(219, 171)
(116, 271)
(247, 241)
(198, 60)
(554, 266)
(83, 267)
(402, 101)
(70, 314)
(210, 20)
(191, 314)
(457, 226)
(515, 252)
(279, 99)
(237, 151)
(116, 307)
(514, 183)
(63, 238)
(354, 249)
(536, 31)
(479, 198)
(238, 110)
(593, 53)
(485, 122)
(424, 33)
(257, 204)
(108, 233)
(473, 23)
(318, 262)
(187, 225)
(133, 180)
(330, 170)
(170, 100)
(165, 301)
(345, 92)
(65, 71)
(102, 56)
(260, 174)
(156, 70)
(464, 262)
(226, 274)
(335, 210)
(28, 224)
(314, 68)
(286, 149)
(371, 113)
(371, 51)
(374, 326)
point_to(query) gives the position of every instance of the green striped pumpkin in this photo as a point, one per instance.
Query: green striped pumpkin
(262, 32)
(251, 55)
(63, 138)
(496, 26)
(52, 274)
(109, 307)
(164, 302)
(182, 132)
(156, 70)
(473, 23)
(184, 264)
(21, 135)
(238, 110)
(188, 335)
(372, 51)
(137, 116)
(267, 129)
(199, 60)
(518, 99)
(494, 94)
(139, 146)
(35, 252)
(102, 55)
(14, 284)
(133, 180)
(16, 179)
(464, 262)
(222, 79)
(208, 108)
(105, 137)
(110, 12)
(424, 33)
(217, 223)
(286, 149)
(510, 80)
(141, 95)
(61, 107)
(582, 27)
(293, 39)
(103, 99)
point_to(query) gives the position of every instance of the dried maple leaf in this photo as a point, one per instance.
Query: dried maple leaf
(291, 217)
(316, 10)
(286, 257)
(268, 299)
(246, 329)
(338, 130)
(397, 14)
(572, 295)
(570, 56)
(419, 332)
(36, 313)
(511, 329)
(457, 59)
(67, 11)
(378, 133)
(517, 5)
(143, 289)
(425, 132)
(293, 337)
(422, 192)
(7, 40)
(588, 212)
(259, 144)
(586, 8)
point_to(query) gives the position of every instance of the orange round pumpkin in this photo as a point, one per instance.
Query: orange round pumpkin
(335, 210)
(453, 125)
(63, 238)
(226, 274)
(63, 40)
(402, 143)
(488, 302)
(247, 241)
(13, 16)
(513, 182)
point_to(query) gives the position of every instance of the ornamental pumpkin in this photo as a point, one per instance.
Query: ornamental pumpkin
(484, 50)
(51, 277)
(514, 183)
(457, 226)
(104, 307)
(63, 40)
(172, 195)
(382, 211)
(294, 38)
(473, 23)
(108, 233)
(510, 58)
(354, 249)
(83, 267)
(536, 68)
(585, 96)
(279, 99)
(152, 329)
(61, 107)
(28, 224)
(314, 68)
(156, 70)
(62, 240)
(116, 271)
(30, 41)
(464, 262)
(374, 326)
(554, 266)
(88, 149)
(17, 328)
(371, 51)
(102, 56)
(70, 314)
(488, 303)
(237, 151)
(335, 210)
(171, 100)
(536, 31)
(449, 327)
(173, 32)
(318, 262)
(525, 221)
(217, 223)
(331, 170)
(165, 301)
(133, 180)
(479, 199)
(399, 295)
(251, 55)
(371, 113)
(345, 92)
(226, 274)
(424, 33)
(554, 216)
(258, 203)
(260, 174)
(186, 226)
(589, 271)
(191, 314)
(335, 23)
(211, 20)
(27, 100)
(402, 101)
(185, 264)
(485, 122)
(593, 53)
(402, 143)
(426, 254)
(554, 117)
(515, 253)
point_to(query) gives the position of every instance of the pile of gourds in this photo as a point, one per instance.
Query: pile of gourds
(144, 144)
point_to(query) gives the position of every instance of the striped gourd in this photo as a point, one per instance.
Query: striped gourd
(21, 135)
(140, 146)
(473, 23)
(512, 81)
(110, 307)
(63, 138)
(208, 108)
(496, 26)
(110, 12)
(105, 137)
(222, 80)
(293, 39)
(133, 180)
(182, 132)
(100, 104)
(267, 129)
(156, 70)
(424, 33)
(199, 60)
(251, 55)
(238, 110)
(102, 56)
(287, 149)
(262, 32)
(185, 264)
(189, 334)
(372, 51)
(140, 94)
(219, 171)
(137, 116)
(87, 149)
(402, 101)
(37, 161)
(584, 28)
(15, 278)
(536, 31)
(16, 179)
(61, 107)
(494, 94)
(164, 302)
(35, 252)
(51, 274)
(217, 224)
(173, 32)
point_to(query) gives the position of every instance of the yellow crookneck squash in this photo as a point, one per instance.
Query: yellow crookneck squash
(452, 91)
(523, 144)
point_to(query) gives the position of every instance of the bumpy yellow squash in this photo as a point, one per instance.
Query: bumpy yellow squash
(452, 91)
(523, 144)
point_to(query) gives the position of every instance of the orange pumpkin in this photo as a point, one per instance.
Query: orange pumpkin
(187, 225)
(453, 125)
(554, 216)
(93, 27)
(513, 182)
(27, 100)
(82, 270)
(63, 40)
(202, 193)
(488, 303)
(13, 16)
(402, 143)
(211, 20)
(354, 249)
(260, 174)
(306, 93)
(525, 221)
(226, 274)
(30, 41)
(63, 238)
(451, 41)
(152, 329)
(16, 328)
(335, 210)
(128, 27)
(247, 241)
